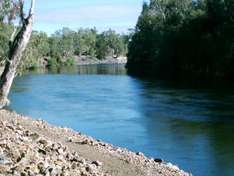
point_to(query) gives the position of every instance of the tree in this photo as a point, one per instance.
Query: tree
(36, 53)
(18, 42)
(109, 43)
(4, 9)
(177, 38)
(85, 41)
(5, 33)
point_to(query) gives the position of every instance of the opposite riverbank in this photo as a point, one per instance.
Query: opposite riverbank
(34, 147)
(85, 60)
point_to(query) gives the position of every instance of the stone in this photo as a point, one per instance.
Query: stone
(139, 154)
(41, 151)
(43, 142)
(70, 139)
(85, 142)
(74, 165)
(4, 160)
(158, 160)
(23, 174)
(26, 152)
(97, 163)
(22, 155)
(34, 136)
(60, 151)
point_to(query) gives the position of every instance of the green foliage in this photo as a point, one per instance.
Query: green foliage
(85, 41)
(182, 37)
(5, 8)
(38, 49)
(70, 62)
(53, 63)
(5, 33)
(60, 48)
(110, 44)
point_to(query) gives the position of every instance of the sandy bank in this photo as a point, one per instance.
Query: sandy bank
(33, 147)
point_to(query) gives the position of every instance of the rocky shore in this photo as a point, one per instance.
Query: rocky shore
(33, 147)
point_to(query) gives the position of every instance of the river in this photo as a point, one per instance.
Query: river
(187, 124)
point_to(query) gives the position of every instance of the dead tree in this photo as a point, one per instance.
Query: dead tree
(17, 45)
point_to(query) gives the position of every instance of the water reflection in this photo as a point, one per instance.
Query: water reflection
(110, 69)
(193, 127)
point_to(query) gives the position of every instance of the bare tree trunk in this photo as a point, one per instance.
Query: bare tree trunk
(17, 47)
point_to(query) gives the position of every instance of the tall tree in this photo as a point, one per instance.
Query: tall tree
(177, 38)
(17, 44)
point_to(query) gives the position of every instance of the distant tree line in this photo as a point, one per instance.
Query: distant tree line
(179, 38)
(61, 47)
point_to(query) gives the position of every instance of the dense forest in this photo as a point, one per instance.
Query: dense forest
(178, 38)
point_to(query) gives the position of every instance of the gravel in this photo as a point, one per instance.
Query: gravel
(33, 147)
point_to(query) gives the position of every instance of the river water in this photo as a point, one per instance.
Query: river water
(187, 124)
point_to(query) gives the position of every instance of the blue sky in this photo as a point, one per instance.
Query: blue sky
(119, 15)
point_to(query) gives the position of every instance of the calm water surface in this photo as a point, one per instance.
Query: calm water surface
(187, 125)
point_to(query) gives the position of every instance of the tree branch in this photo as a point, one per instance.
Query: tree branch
(13, 34)
(22, 15)
(31, 11)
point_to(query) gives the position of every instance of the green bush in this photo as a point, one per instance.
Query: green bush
(70, 62)
(53, 63)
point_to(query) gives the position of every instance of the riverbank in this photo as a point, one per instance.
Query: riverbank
(34, 147)
(85, 60)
